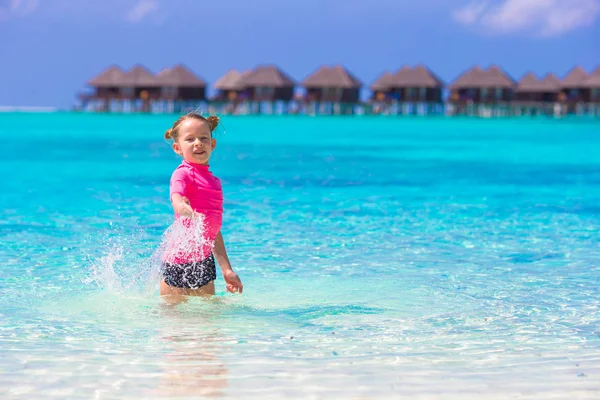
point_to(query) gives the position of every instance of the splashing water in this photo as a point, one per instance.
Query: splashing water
(123, 270)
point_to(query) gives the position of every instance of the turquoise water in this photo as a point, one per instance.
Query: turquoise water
(381, 257)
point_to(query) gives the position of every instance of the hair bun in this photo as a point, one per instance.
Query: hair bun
(169, 134)
(213, 121)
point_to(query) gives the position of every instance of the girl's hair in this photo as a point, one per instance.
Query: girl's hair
(173, 133)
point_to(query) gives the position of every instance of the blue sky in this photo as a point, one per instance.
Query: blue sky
(50, 48)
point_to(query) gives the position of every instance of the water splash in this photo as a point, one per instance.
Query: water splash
(129, 264)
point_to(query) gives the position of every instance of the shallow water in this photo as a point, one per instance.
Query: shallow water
(381, 257)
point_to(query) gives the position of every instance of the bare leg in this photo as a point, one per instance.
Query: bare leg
(174, 295)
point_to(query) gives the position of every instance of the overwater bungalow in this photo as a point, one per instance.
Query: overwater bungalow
(180, 88)
(332, 84)
(409, 91)
(416, 85)
(268, 83)
(381, 86)
(179, 83)
(230, 86)
(140, 83)
(106, 87)
(483, 86)
(139, 87)
(573, 89)
(482, 92)
(268, 88)
(534, 90)
(592, 93)
(332, 90)
(537, 96)
(592, 85)
(335, 90)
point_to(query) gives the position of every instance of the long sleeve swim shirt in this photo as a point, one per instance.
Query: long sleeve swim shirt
(205, 193)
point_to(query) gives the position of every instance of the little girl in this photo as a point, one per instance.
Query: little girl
(197, 197)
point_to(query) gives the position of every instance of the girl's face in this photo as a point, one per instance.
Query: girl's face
(195, 142)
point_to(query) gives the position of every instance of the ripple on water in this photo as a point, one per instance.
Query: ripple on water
(444, 259)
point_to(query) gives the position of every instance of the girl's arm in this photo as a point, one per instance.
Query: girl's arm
(181, 205)
(234, 284)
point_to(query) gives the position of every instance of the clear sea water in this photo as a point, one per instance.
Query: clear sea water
(381, 257)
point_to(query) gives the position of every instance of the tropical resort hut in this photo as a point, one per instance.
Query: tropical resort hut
(534, 96)
(140, 83)
(381, 86)
(179, 83)
(465, 89)
(530, 89)
(332, 84)
(491, 88)
(503, 86)
(416, 85)
(332, 90)
(106, 88)
(482, 86)
(592, 85)
(139, 88)
(572, 87)
(267, 85)
(417, 89)
(180, 88)
(230, 86)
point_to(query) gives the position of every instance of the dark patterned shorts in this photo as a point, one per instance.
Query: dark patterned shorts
(190, 275)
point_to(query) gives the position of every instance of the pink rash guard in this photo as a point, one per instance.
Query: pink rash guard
(204, 191)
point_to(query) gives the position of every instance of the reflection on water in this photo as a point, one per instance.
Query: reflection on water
(192, 366)
(191, 342)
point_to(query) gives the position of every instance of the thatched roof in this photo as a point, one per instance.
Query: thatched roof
(468, 79)
(575, 78)
(418, 77)
(493, 77)
(140, 76)
(225, 82)
(110, 77)
(550, 83)
(593, 81)
(401, 76)
(528, 83)
(267, 76)
(382, 82)
(332, 77)
(424, 77)
(232, 80)
(531, 84)
(179, 76)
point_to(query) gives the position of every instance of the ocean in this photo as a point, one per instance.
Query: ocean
(381, 257)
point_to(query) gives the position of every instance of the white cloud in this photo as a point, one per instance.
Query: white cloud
(470, 14)
(540, 17)
(141, 10)
(18, 8)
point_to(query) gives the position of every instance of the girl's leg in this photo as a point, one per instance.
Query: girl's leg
(205, 291)
(174, 295)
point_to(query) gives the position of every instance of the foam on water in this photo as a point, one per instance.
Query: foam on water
(122, 270)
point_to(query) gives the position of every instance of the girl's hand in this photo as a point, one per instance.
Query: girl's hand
(182, 206)
(234, 283)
